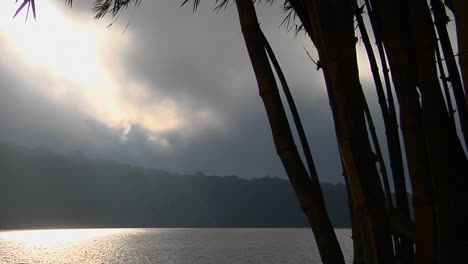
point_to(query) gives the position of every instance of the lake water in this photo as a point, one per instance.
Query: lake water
(165, 246)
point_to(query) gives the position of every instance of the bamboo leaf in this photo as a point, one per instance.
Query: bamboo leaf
(33, 6)
(21, 7)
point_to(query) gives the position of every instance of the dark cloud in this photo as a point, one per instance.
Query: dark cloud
(199, 61)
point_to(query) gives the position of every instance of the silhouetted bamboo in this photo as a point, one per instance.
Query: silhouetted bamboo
(393, 30)
(389, 123)
(378, 154)
(460, 10)
(445, 153)
(379, 43)
(297, 120)
(382, 103)
(444, 81)
(333, 35)
(295, 113)
(394, 148)
(308, 195)
(359, 255)
(441, 20)
(405, 247)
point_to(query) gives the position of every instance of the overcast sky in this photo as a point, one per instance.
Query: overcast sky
(174, 90)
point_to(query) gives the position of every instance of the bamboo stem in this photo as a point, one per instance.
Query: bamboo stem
(382, 103)
(440, 19)
(404, 248)
(443, 79)
(294, 111)
(307, 193)
(378, 153)
(460, 10)
(393, 30)
(332, 25)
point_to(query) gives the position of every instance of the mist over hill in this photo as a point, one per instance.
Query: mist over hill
(42, 189)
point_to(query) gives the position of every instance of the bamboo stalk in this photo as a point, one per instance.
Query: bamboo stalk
(297, 120)
(440, 18)
(460, 10)
(359, 256)
(332, 26)
(445, 152)
(404, 247)
(393, 30)
(311, 202)
(295, 113)
(378, 154)
(389, 114)
(443, 79)
(382, 103)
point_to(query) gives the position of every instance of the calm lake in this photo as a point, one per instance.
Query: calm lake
(162, 245)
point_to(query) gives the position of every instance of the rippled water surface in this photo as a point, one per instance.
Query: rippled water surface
(154, 245)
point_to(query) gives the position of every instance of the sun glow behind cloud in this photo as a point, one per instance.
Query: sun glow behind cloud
(57, 44)
(74, 58)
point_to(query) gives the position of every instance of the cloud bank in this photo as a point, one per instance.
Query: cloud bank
(163, 88)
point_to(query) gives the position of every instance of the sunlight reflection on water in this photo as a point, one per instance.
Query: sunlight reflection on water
(54, 237)
(164, 246)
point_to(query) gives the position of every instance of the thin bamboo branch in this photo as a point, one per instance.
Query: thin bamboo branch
(393, 138)
(378, 154)
(359, 256)
(294, 111)
(404, 247)
(382, 103)
(443, 79)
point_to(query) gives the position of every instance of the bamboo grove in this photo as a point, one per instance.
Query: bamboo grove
(421, 85)
(410, 37)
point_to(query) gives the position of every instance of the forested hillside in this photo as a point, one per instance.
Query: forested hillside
(42, 189)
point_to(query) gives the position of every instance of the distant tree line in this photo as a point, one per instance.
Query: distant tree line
(41, 189)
